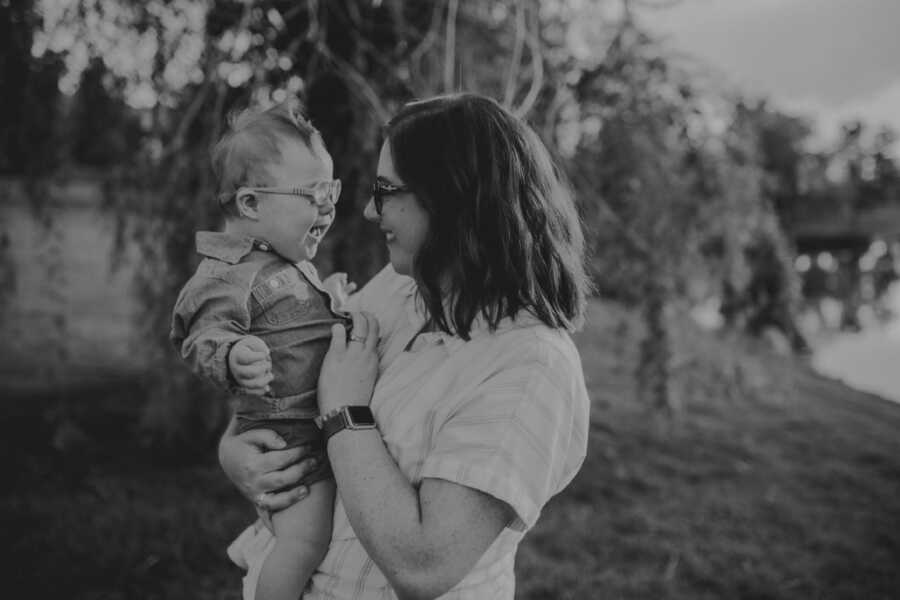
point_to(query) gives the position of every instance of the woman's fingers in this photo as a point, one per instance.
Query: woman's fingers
(281, 459)
(371, 331)
(360, 330)
(289, 477)
(264, 439)
(296, 472)
(274, 501)
(338, 338)
(281, 487)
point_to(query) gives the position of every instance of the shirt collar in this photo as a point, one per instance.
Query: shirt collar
(309, 270)
(227, 247)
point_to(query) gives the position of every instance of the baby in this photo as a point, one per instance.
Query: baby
(256, 319)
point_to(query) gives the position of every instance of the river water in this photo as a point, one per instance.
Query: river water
(868, 360)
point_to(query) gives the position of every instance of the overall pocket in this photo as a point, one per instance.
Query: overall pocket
(282, 299)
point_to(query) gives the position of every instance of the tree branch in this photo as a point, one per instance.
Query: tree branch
(634, 240)
(214, 60)
(357, 81)
(193, 110)
(386, 62)
(431, 35)
(450, 46)
(537, 69)
(513, 74)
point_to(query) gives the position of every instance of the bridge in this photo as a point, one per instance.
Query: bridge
(855, 232)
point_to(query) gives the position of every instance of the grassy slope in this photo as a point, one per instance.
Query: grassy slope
(773, 483)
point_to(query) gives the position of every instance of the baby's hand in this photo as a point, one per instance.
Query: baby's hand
(250, 365)
(337, 285)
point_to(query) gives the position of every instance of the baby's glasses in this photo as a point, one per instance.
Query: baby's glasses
(320, 193)
(382, 188)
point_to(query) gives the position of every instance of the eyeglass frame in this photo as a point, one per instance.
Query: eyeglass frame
(308, 192)
(382, 188)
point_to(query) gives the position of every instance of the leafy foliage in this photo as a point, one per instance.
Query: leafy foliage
(353, 64)
(680, 187)
(30, 100)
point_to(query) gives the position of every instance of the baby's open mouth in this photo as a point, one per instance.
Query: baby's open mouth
(318, 231)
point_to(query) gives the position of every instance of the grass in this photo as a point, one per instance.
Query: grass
(91, 512)
(771, 483)
(784, 486)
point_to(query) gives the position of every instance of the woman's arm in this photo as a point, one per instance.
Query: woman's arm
(255, 462)
(424, 540)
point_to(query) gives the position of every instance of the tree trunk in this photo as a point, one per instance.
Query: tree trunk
(655, 351)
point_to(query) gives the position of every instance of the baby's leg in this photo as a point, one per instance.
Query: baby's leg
(302, 535)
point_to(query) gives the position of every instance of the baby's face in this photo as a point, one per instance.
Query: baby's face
(294, 225)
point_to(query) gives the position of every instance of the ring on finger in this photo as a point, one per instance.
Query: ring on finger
(259, 499)
(358, 338)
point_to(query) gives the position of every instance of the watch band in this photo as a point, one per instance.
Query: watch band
(346, 417)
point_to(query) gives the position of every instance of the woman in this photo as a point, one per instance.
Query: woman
(480, 403)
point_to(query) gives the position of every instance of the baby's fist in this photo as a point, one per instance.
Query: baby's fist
(250, 365)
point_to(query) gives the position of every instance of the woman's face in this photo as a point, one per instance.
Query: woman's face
(403, 220)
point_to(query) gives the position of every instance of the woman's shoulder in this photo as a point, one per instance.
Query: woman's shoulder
(538, 363)
(530, 340)
(516, 426)
(541, 362)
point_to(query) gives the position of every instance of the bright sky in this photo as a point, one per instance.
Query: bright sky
(834, 59)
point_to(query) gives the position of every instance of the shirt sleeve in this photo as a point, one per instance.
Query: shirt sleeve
(520, 437)
(210, 315)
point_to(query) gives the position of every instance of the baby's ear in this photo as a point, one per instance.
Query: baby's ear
(247, 205)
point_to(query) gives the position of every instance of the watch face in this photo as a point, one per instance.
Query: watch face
(360, 415)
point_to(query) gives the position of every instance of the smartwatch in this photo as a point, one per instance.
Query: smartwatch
(346, 417)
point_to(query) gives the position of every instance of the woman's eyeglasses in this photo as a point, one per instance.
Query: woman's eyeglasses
(321, 193)
(381, 189)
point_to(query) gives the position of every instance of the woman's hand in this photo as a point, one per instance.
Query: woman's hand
(351, 365)
(256, 463)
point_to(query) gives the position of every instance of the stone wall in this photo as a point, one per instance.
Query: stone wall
(66, 312)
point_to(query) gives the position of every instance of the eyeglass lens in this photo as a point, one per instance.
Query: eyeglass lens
(377, 199)
(379, 191)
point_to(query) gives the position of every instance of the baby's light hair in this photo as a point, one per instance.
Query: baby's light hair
(251, 144)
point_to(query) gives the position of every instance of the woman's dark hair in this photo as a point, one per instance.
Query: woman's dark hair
(504, 235)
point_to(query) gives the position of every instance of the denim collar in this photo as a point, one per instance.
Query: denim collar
(227, 247)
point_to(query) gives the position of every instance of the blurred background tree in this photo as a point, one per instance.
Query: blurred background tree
(30, 99)
(686, 191)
